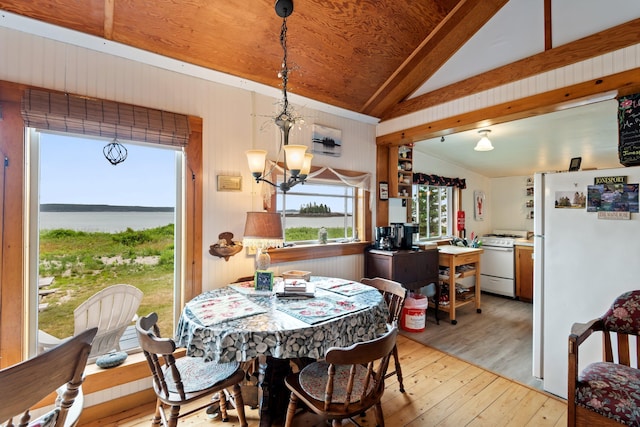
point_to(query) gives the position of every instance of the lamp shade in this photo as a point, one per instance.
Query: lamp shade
(484, 144)
(306, 167)
(294, 157)
(262, 230)
(256, 159)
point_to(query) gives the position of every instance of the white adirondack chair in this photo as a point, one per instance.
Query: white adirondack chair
(111, 310)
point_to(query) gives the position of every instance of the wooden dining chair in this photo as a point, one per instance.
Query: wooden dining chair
(177, 382)
(60, 370)
(394, 294)
(349, 381)
(607, 393)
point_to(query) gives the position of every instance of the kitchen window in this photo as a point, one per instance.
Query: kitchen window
(432, 206)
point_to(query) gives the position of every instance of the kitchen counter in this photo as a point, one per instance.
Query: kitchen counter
(523, 242)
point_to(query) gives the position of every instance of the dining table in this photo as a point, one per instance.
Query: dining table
(239, 323)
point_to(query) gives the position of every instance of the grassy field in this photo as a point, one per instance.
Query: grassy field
(83, 263)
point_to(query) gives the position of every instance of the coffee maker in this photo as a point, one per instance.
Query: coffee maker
(409, 235)
(383, 238)
(397, 235)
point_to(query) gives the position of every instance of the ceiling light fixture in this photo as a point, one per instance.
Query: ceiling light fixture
(296, 160)
(484, 144)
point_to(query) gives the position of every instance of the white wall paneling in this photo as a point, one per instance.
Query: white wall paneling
(230, 126)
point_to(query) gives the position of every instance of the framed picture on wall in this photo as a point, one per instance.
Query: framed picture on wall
(384, 190)
(326, 141)
(478, 205)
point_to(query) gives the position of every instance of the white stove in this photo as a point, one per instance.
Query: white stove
(497, 262)
(503, 238)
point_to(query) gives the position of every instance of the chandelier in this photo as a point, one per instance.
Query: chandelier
(297, 162)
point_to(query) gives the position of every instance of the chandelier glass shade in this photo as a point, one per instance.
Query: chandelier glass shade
(484, 144)
(297, 162)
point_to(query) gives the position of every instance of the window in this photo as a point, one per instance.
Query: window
(114, 225)
(432, 207)
(318, 203)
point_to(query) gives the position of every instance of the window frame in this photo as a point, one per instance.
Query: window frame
(363, 222)
(450, 209)
(296, 191)
(34, 161)
(14, 322)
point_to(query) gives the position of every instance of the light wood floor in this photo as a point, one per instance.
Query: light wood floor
(498, 339)
(441, 390)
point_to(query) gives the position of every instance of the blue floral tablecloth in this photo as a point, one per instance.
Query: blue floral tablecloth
(275, 333)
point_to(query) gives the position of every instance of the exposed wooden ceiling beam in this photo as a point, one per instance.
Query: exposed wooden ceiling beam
(605, 41)
(548, 36)
(624, 83)
(452, 33)
(109, 6)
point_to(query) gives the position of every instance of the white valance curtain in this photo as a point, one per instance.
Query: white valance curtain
(362, 181)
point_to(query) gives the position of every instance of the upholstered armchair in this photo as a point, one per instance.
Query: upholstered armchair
(607, 392)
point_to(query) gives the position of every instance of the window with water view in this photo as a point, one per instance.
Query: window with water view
(308, 207)
(101, 225)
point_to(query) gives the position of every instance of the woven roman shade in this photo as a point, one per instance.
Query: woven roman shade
(64, 112)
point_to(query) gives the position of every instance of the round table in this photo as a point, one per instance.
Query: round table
(276, 327)
(276, 333)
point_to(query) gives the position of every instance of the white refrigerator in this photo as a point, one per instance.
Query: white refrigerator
(581, 263)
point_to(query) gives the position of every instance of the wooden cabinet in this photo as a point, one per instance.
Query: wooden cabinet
(524, 273)
(452, 257)
(414, 269)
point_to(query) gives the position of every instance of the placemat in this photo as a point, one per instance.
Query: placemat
(222, 308)
(342, 286)
(316, 310)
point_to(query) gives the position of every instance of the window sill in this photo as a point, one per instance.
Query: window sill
(305, 252)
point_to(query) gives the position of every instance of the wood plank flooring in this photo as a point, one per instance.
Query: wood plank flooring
(498, 339)
(441, 390)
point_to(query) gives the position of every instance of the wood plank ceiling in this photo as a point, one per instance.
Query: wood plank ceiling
(366, 56)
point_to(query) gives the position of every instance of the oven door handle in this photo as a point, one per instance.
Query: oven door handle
(495, 248)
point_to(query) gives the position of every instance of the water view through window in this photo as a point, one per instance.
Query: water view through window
(101, 225)
(309, 207)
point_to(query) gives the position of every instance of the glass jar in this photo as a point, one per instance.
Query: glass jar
(322, 236)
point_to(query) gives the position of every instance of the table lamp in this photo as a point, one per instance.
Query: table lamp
(262, 230)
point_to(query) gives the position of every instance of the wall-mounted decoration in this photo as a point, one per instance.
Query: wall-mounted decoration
(225, 247)
(326, 140)
(384, 190)
(629, 130)
(478, 205)
(229, 183)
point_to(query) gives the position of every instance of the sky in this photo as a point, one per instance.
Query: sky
(73, 170)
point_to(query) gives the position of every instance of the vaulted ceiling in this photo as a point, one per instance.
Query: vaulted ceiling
(362, 55)
(386, 59)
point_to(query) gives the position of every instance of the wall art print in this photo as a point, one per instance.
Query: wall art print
(326, 141)
(478, 205)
